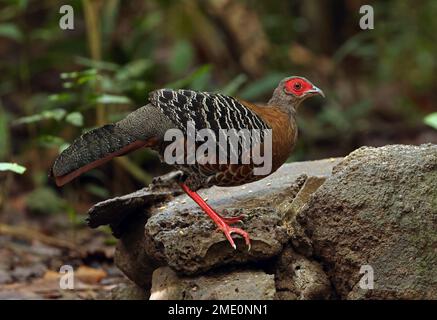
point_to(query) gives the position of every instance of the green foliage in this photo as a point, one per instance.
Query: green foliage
(431, 120)
(182, 58)
(262, 86)
(50, 141)
(11, 31)
(133, 70)
(234, 85)
(361, 45)
(412, 43)
(75, 118)
(197, 80)
(44, 201)
(55, 114)
(6, 166)
(112, 99)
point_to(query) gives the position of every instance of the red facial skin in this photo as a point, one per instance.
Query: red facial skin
(298, 86)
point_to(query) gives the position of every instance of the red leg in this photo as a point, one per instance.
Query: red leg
(222, 223)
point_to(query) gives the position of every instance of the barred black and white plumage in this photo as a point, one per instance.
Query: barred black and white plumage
(206, 110)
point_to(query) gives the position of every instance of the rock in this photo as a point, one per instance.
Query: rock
(315, 231)
(116, 211)
(309, 187)
(180, 235)
(128, 291)
(379, 208)
(236, 285)
(190, 243)
(166, 285)
(157, 229)
(298, 278)
(131, 256)
(294, 206)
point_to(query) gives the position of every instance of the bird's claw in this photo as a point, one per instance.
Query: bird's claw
(227, 230)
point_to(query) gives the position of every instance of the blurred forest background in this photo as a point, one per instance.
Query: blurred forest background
(381, 86)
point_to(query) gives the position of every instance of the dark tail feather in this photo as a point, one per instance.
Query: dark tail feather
(93, 149)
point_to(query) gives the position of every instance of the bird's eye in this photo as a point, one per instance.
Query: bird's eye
(297, 86)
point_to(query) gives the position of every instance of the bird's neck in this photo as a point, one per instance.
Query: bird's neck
(285, 102)
(288, 107)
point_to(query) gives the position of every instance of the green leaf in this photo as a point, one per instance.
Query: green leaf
(60, 97)
(50, 141)
(68, 85)
(87, 76)
(75, 118)
(7, 166)
(262, 86)
(69, 75)
(181, 57)
(112, 99)
(233, 86)
(192, 77)
(11, 31)
(133, 69)
(431, 120)
(29, 119)
(63, 146)
(56, 114)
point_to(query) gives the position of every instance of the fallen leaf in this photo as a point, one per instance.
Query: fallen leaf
(90, 275)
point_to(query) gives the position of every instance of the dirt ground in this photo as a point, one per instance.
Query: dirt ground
(33, 248)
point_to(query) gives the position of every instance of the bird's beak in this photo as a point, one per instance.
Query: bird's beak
(314, 91)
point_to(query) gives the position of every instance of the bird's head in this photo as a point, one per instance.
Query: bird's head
(292, 91)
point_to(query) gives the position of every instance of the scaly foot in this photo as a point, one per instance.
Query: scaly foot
(221, 222)
(228, 230)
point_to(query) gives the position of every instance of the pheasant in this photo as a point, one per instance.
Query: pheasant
(173, 109)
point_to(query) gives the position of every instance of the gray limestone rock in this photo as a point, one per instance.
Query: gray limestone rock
(378, 209)
(235, 285)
